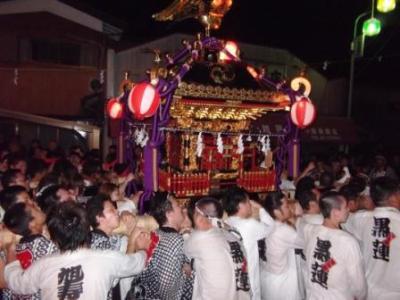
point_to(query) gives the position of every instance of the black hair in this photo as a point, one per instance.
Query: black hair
(9, 177)
(68, 226)
(255, 197)
(90, 167)
(36, 166)
(14, 159)
(112, 154)
(382, 189)
(107, 188)
(210, 207)
(305, 183)
(120, 168)
(159, 205)
(343, 155)
(216, 211)
(75, 181)
(93, 154)
(64, 166)
(358, 183)
(350, 192)
(329, 201)
(273, 201)
(4, 157)
(47, 197)
(95, 208)
(305, 197)
(326, 180)
(232, 198)
(75, 149)
(64, 170)
(49, 179)
(9, 196)
(17, 219)
(74, 153)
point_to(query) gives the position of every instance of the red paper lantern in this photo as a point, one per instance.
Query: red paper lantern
(303, 112)
(143, 100)
(114, 108)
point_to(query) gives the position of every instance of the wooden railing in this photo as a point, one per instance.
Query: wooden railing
(185, 185)
(257, 181)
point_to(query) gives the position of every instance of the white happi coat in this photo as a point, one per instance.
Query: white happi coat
(214, 266)
(253, 231)
(279, 279)
(334, 264)
(82, 274)
(378, 232)
(314, 219)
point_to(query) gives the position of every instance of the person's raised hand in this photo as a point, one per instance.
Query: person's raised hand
(129, 221)
(311, 166)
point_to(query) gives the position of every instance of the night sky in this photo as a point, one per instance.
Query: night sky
(317, 31)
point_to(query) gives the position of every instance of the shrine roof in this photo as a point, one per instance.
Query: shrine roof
(202, 73)
(226, 82)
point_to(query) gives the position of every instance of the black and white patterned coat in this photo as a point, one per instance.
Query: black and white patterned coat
(98, 240)
(163, 278)
(29, 250)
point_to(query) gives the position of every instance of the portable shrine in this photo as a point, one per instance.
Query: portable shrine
(202, 101)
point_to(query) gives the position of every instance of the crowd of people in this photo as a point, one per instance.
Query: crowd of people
(70, 229)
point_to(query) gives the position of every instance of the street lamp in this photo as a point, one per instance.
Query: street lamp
(371, 27)
(385, 6)
(353, 59)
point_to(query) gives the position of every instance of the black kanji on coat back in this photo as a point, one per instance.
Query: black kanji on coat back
(70, 283)
(322, 263)
(240, 262)
(383, 236)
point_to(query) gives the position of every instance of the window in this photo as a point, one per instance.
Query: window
(55, 52)
(59, 52)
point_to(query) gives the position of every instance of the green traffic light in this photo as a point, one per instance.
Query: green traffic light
(385, 6)
(371, 27)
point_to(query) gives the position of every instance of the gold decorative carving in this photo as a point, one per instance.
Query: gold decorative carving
(207, 111)
(211, 92)
(212, 125)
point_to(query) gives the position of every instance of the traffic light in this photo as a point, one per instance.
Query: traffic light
(371, 27)
(385, 6)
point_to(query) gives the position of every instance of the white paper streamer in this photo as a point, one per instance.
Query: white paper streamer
(145, 139)
(263, 144)
(135, 136)
(220, 144)
(200, 145)
(268, 145)
(240, 146)
(139, 136)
